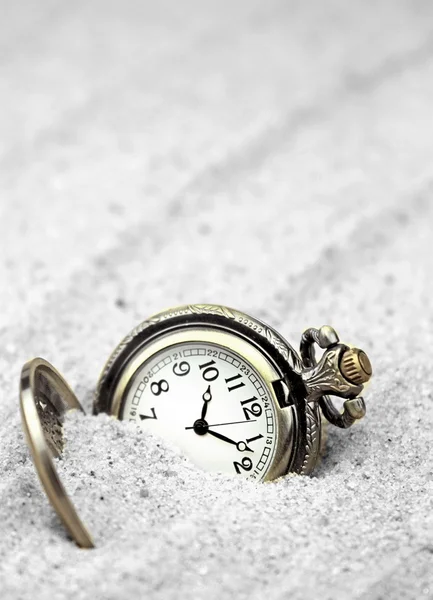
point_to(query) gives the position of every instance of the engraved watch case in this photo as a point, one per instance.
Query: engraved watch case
(299, 422)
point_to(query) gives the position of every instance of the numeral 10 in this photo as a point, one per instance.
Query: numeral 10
(209, 372)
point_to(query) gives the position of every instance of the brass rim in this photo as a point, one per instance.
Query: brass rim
(43, 389)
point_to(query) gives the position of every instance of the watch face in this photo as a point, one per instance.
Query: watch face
(211, 403)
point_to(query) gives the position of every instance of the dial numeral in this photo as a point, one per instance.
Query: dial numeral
(142, 417)
(253, 439)
(210, 373)
(246, 465)
(235, 378)
(243, 402)
(181, 369)
(254, 410)
(158, 387)
(243, 446)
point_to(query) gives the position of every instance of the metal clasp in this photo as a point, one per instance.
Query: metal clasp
(342, 371)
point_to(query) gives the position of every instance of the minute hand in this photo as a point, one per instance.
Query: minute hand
(222, 437)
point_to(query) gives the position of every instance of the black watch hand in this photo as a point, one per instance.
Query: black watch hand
(241, 446)
(222, 437)
(207, 397)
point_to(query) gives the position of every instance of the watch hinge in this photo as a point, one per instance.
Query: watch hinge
(282, 392)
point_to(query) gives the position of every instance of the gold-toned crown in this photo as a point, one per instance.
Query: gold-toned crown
(355, 366)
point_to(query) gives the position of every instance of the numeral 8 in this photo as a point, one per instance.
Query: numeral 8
(158, 387)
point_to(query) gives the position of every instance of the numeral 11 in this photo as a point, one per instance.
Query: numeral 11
(235, 378)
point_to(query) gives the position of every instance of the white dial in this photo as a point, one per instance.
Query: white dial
(211, 403)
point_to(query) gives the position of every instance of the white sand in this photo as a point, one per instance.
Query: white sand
(275, 157)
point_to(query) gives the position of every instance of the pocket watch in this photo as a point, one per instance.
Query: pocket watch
(230, 392)
(222, 386)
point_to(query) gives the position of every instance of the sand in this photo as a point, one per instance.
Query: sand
(275, 157)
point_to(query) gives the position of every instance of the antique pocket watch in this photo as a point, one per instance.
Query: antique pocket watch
(223, 387)
(230, 392)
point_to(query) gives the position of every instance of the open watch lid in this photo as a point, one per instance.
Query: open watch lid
(45, 398)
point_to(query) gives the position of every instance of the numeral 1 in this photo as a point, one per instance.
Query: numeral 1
(253, 439)
(243, 402)
(235, 378)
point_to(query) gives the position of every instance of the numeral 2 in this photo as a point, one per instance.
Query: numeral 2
(246, 465)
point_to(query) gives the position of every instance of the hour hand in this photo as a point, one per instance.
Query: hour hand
(207, 397)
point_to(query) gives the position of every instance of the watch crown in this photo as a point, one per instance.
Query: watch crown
(355, 366)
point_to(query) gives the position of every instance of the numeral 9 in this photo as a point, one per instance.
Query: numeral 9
(181, 369)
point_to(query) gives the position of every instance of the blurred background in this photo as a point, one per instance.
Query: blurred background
(273, 156)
